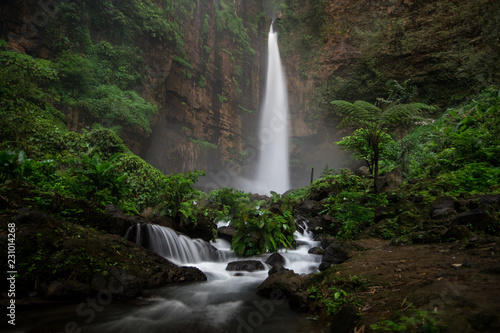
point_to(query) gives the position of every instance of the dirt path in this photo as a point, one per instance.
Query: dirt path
(459, 282)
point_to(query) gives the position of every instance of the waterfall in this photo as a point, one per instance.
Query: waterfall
(178, 248)
(273, 169)
(226, 302)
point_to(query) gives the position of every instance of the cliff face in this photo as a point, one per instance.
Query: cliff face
(206, 110)
(350, 49)
(206, 83)
(208, 95)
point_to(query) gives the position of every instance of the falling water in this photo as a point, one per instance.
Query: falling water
(178, 248)
(227, 302)
(272, 170)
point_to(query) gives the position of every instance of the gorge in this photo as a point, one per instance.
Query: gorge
(149, 147)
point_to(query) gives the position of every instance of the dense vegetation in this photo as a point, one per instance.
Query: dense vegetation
(453, 151)
(386, 41)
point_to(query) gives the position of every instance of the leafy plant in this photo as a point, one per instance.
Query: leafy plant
(376, 122)
(259, 228)
(103, 176)
(177, 190)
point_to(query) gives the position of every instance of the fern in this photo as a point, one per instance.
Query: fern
(376, 121)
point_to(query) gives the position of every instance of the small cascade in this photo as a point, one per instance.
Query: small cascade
(178, 248)
(299, 259)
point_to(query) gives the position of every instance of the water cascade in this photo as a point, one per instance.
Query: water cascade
(227, 302)
(272, 172)
(175, 247)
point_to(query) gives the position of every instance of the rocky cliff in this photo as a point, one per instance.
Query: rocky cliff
(350, 49)
(206, 77)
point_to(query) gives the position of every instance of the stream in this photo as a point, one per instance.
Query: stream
(227, 302)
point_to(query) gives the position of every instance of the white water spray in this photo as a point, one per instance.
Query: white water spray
(273, 167)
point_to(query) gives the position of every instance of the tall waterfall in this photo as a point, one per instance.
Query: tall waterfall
(273, 165)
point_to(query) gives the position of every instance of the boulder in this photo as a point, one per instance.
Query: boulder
(165, 221)
(316, 250)
(299, 301)
(477, 220)
(226, 233)
(431, 235)
(286, 281)
(363, 171)
(490, 201)
(275, 259)
(306, 209)
(147, 212)
(344, 320)
(67, 289)
(483, 321)
(443, 207)
(392, 181)
(336, 253)
(276, 269)
(245, 265)
(457, 232)
(325, 224)
(258, 197)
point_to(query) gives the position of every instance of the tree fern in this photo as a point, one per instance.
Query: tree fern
(376, 121)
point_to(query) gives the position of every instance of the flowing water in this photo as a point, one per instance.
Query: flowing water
(272, 171)
(227, 302)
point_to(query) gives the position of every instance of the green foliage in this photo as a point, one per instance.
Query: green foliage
(14, 165)
(77, 73)
(461, 148)
(258, 227)
(119, 65)
(177, 190)
(145, 181)
(102, 179)
(244, 109)
(302, 28)
(26, 99)
(376, 122)
(115, 106)
(358, 143)
(400, 93)
(227, 19)
(349, 201)
(333, 292)
(182, 62)
(204, 144)
(222, 99)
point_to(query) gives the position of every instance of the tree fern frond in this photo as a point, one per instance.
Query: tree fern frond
(396, 113)
(353, 115)
(369, 108)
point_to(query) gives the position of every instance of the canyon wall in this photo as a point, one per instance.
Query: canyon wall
(209, 97)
